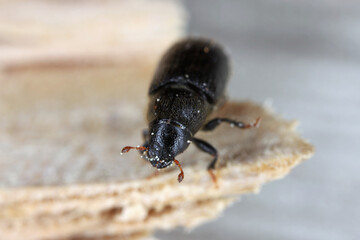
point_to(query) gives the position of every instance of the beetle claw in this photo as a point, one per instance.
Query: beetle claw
(257, 122)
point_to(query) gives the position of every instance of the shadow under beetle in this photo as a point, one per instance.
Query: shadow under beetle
(188, 83)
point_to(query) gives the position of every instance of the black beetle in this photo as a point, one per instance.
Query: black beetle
(188, 83)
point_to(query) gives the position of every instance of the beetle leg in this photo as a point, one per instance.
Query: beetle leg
(212, 124)
(206, 147)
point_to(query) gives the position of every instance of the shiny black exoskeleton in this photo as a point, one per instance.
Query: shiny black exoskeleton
(189, 82)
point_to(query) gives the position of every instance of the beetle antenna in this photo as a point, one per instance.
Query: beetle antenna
(181, 174)
(128, 148)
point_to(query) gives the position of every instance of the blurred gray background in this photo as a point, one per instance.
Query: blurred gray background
(304, 57)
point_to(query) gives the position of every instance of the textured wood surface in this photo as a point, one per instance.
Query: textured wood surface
(72, 34)
(97, 192)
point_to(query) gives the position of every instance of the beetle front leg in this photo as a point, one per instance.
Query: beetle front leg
(212, 124)
(206, 147)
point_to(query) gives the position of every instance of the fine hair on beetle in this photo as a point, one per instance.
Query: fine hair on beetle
(189, 82)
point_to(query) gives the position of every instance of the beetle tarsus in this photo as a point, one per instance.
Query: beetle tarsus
(212, 124)
(256, 124)
(213, 177)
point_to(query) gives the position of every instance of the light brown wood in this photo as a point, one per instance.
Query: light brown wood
(49, 34)
(99, 192)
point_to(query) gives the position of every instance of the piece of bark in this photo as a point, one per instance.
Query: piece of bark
(118, 194)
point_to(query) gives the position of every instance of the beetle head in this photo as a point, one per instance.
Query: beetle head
(166, 141)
